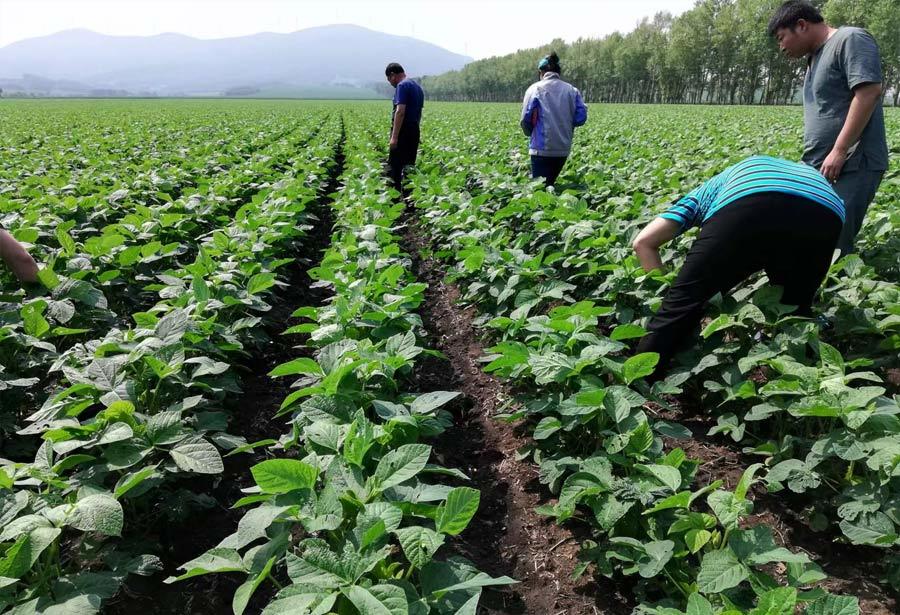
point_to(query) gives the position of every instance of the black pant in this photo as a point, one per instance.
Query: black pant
(791, 238)
(548, 167)
(404, 154)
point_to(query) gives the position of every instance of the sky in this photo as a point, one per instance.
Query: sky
(477, 28)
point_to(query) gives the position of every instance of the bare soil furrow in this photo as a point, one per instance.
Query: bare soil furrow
(507, 536)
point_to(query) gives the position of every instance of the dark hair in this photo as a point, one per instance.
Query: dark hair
(550, 62)
(393, 69)
(792, 11)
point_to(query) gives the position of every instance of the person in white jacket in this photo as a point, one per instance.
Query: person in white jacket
(550, 112)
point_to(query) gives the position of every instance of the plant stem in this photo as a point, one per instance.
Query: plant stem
(275, 581)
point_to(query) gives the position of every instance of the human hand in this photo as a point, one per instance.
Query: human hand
(834, 164)
(393, 143)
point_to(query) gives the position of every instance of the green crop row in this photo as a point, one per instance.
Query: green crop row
(137, 400)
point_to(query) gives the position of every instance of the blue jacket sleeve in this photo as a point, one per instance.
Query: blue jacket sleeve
(580, 110)
(529, 106)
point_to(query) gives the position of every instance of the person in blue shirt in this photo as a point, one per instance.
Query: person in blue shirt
(408, 102)
(551, 110)
(761, 214)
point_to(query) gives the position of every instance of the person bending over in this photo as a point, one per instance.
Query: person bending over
(761, 214)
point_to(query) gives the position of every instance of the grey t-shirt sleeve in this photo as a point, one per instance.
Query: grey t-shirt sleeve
(861, 59)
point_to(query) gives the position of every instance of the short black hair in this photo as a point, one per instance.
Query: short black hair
(792, 11)
(393, 69)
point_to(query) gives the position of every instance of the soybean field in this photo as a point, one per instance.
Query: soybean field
(255, 378)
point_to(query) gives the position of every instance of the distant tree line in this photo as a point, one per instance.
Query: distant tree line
(718, 52)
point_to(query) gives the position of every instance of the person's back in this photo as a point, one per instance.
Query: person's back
(551, 110)
(751, 176)
(558, 103)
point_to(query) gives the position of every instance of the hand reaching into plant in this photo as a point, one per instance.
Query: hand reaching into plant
(17, 258)
(646, 245)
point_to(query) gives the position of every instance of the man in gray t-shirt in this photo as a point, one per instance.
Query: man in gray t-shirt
(843, 122)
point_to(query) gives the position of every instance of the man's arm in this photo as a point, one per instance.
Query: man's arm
(646, 245)
(865, 98)
(399, 114)
(17, 258)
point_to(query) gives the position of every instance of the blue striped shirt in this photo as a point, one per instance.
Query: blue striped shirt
(752, 176)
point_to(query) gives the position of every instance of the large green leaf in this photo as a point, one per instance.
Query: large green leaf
(869, 529)
(217, 559)
(98, 513)
(284, 475)
(834, 605)
(318, 566)
(400, 465)
(199, 457)
(639, 366)
(547, 426)
(303, 599)
(656, 555)
(133, 479)
(627, 332)
(550, 367)
(757, 547)
(419, 544)
(668, 476)
(302, 365)
(260, 282)
(619, 401)
(378, 600)
(454, 515)
(243, 593)
(423, 404)
(720, 570)
(253, 525)
(778, 601)
(698, 605)
(727, 507)
(21, 556)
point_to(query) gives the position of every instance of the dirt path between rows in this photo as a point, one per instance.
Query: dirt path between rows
(507, 536)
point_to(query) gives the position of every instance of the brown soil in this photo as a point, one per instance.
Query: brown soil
(507, 536)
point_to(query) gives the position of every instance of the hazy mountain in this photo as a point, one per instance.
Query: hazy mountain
(174, 63)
